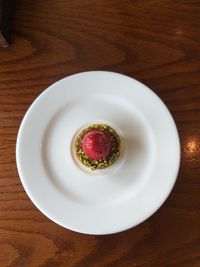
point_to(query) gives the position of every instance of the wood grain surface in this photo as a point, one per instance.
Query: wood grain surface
(156, 42)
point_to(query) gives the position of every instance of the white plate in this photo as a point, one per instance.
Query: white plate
(121, 196)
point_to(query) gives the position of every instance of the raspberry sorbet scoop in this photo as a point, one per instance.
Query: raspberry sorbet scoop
(97, 144)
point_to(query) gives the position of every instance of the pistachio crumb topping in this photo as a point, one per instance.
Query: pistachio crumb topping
(104, 162)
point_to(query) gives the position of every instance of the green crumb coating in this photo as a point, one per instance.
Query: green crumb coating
(102, 163)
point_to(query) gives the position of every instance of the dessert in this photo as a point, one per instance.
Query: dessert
(97, 146)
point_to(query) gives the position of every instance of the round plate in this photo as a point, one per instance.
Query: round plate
(119, 197)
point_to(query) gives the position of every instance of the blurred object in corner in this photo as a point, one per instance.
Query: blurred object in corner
(6, 17)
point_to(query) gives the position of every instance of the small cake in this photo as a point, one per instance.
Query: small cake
(97, 146)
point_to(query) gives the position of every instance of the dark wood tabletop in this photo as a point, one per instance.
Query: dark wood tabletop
(156, 42)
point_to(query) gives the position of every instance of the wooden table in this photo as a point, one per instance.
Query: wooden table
(156, 42)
